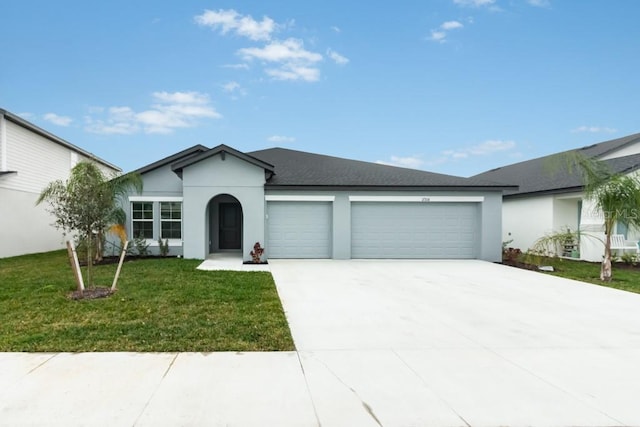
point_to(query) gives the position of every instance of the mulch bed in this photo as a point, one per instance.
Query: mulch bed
(91, 293)
(523, 265)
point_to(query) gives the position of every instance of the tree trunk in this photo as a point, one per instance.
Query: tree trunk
(99, 248)
(605, 269)
(89, 259)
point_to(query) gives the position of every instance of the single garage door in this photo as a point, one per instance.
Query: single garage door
(414, 230)
(299, 229)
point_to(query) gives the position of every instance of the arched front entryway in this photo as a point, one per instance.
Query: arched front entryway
(225, 224)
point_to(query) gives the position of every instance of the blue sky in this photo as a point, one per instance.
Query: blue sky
(450, 86)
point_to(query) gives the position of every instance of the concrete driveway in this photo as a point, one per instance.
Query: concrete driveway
(413, 343)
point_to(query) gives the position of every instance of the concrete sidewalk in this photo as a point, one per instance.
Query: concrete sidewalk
(154, 389)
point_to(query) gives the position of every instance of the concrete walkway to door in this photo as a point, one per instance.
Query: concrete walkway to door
(461, 343)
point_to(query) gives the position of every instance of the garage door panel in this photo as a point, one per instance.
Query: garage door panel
(299, 229)
(414, 230)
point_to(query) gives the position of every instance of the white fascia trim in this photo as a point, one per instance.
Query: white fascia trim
(300, 198)
(154, 199)
(418, 199)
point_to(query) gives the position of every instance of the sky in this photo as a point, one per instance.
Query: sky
(449, 86)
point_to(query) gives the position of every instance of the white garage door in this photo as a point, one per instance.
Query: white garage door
(414, 230)
(299, 229)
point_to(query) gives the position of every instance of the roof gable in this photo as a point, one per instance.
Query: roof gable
(222, 150)
(182, 155)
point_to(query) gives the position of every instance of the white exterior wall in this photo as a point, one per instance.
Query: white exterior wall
(3, 143)
(526, 220)
(565, 212)
(37, 160)
(591, 232)
(26, 228)
(625, 151)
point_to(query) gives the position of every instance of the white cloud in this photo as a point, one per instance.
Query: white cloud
(482, 149)
(231, 86)
(336, 29)
(281, 138)
(281, 51)
(451, 25)
(242, 66)
(295, 62)
(280, 59)
(412, 162)
(337, 58)
(58, 120)
(231, 21)
(594, 129)
(440, 35)
(27, 115)
(539, 3)
(293, 72)
(474, 3)
(170, 111)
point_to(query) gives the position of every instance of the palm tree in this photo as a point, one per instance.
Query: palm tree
(119, 187)
(87, 203)
(616, 195)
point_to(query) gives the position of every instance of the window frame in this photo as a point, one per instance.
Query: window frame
(170, 220)
(135, 220)
(157, 224)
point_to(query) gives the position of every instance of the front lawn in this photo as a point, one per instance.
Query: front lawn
(623, 277)
(162, 304)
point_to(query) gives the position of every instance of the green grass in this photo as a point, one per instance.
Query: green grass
(625, 279)
(161, 305)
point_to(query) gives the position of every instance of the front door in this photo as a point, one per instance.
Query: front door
(230, 226)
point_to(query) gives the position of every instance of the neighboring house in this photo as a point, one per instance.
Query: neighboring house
(304, 205)
(550, 197)
(30, 158)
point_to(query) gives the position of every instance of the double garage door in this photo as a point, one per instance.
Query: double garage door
(378, 230)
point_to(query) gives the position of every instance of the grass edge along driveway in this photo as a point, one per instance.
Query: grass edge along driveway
(162, 305)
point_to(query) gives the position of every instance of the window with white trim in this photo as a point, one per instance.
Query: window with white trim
(142, 219)
(171, 220)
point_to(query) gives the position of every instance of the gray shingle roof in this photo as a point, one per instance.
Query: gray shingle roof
(549, 174)
(606, 147)
(302, 169)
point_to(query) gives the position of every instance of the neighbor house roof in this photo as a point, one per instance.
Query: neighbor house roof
(550, 174)
(302, 169)
(53, 138)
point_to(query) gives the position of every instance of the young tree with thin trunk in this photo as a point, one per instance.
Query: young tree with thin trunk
(87, 203)
(616, 195)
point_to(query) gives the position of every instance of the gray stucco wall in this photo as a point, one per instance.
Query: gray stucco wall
(490, 241)
(158, 183)
(212, 177)
(162, 182)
